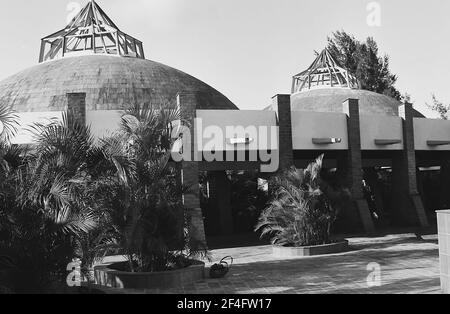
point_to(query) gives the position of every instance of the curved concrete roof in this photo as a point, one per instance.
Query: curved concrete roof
(331, 99)
(110, 83)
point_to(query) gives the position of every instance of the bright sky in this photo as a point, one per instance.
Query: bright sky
(249, 49)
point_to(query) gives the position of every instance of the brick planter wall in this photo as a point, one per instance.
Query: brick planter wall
(444, 248)
(108, 277)
(286, 252)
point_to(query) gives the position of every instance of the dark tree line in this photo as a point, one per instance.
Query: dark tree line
(363, 60)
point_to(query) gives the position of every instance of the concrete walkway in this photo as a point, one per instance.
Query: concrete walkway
(408, 265)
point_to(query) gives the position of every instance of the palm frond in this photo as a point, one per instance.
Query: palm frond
(299, 213)
(68, 221)
(8, 123)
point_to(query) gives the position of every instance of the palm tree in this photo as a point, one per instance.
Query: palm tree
(303, 208)
(8, 128)
(52, 201)
(8, 123)
(9, 159)
(72, 196)
(147, 208)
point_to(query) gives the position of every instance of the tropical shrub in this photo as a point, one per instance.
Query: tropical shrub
(146, 206)
(248, 200)
(70, 196)
(48, 203)
(303, 208)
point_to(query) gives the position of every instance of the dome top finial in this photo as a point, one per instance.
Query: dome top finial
(91, 31)
(324, 72)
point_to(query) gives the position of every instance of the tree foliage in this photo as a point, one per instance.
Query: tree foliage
(147, 207)
(71, 196)
(439, 107)
(303, 208)
(363, 60)
(49, 201)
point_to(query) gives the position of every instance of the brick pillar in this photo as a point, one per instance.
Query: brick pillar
(187, 102)
(282, 103)
(180, 213)
(358, 213)
(220, 196)
(444, 201)
(410, 209)
(76, 103)
(372, 179)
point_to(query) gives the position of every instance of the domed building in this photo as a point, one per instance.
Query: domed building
(93, 56)
(328, 100)
(110, 83)
(363, 136)
(98, 71)
(325, 85)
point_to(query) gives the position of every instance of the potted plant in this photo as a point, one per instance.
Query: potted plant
(75, 197)
(148, 225)
(301, 213)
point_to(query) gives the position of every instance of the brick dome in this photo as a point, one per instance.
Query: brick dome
(110, 83)
(331, 99)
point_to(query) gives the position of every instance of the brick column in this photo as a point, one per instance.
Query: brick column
(445, 181)
(410, 210)
(220, 196)
(76, 104)
(359, 213)
(282, 103)
(187, 102)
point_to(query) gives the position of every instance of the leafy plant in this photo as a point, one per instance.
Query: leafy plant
(439, 107)
(147, 211)
(247, 199)
(48, 203)
(303, 208)
(8, 124)
(362, 59)
(72, 196)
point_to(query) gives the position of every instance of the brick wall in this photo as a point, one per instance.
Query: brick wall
(408, 203)
(282, 103)
(358, 212)
(409, 153)
(354, 161)
(187, 103)
(76, 103)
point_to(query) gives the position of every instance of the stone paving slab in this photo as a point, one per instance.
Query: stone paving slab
(408, 265)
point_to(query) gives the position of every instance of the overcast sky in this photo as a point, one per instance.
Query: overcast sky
(249, 49)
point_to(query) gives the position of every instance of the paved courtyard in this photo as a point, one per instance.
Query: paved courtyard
(408, 265)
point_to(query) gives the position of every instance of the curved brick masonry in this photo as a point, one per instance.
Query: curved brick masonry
(110, 83)
(444, 248)
(107, 277)
(283, 252)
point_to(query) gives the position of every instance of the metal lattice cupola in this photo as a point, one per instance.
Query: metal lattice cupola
(325, 72)
(91, 31)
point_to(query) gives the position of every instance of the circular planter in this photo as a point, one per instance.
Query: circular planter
(283, 251)
(107, 277)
